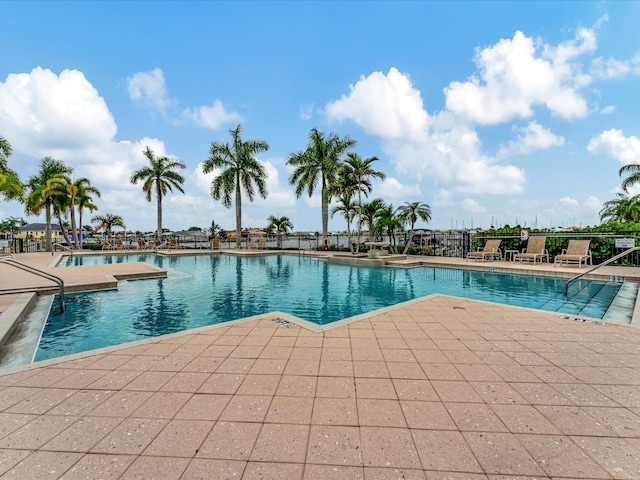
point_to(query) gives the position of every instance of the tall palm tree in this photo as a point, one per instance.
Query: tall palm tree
(343, 187)
(241, 170)
(623, 209)
(409, 213)
(362, 172)
(319, 162)
(161, 175)
(108, 221)
(35, 201)
(280, 225)
(370, 212)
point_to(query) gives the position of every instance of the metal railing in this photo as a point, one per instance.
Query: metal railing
(606, 262)
(40, 273)
(63, 248)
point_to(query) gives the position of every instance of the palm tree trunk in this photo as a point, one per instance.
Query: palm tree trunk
(64, 231)
(325, 215)
(81, 229)
(238, 214)
(47, 229)
(159, 236)
(74, 227)
(359, 221)
(406, 247)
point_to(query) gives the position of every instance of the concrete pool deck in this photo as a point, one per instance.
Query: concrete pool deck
(438, 387)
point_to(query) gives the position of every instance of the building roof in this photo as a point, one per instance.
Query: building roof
(35, 227)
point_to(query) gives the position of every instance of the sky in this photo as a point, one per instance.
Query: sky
(492, 113)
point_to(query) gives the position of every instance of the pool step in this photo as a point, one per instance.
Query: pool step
(621, 309)
(585, 298)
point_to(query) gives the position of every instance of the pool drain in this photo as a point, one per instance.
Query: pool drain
(282, 322)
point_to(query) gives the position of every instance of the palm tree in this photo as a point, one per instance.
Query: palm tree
(10, 184)
(35, 201)
(162, 176)
(5, 152)
(241, 170)
(388, 222)
(281, 225)
(633, 169)
(320, 161)
(623, 209)
(108, 221)
(68, 193)
(370, 211)
(84, 200)
(348, 210)
(410, 212)
(361, 171)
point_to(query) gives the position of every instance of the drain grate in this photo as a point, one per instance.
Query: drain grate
(282, 322)
(582, 320)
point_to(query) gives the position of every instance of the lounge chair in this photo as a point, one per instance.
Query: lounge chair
(173, 244)
(490, 251)
(107, 246)
(142, 245)
(576, 252)
(534, 251)
(159, 245)
(262, 243)
(214, 244)
(120, 245)
(253, 244)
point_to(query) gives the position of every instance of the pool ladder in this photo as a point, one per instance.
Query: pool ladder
(611, 260)
(40, 273)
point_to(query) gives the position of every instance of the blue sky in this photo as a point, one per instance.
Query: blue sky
(504, 112)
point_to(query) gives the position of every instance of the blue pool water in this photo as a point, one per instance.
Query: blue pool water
(208, 289)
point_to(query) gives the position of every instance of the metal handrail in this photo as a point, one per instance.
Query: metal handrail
(40, 273)
(607, 262)
(68, 249)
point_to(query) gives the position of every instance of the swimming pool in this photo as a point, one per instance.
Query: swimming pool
(204, 290)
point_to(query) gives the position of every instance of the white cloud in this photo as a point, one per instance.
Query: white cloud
(306, 111)
(608, 109)
(383, 105)
(530, 138)
(569, 203)
(470, 205)
(391, 188)
(211, 117)
(517, 74)
(614, 144)
(42, 113)
(149, 88)
(439, 147)
(612, 68)
(592, 203)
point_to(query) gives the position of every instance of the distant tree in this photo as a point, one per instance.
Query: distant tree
(108, 221)
(318, 163)
(370, 212)
(409, 213)
(241, 170)
(35, 201)
(195, 229)
(389, 223)
(348, 210)
(623, 209)
(162, 176)
(281, 225)
(12, 225)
